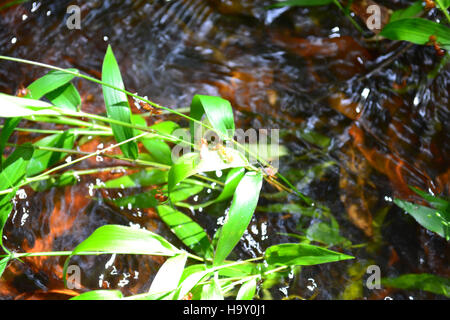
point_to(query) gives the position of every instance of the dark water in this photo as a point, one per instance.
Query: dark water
(383, 122)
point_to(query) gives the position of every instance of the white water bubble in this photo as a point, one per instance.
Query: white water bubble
(13, 40)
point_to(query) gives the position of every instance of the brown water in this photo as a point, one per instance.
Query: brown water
(384, 126)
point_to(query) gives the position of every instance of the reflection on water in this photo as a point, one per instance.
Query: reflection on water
(359, 130)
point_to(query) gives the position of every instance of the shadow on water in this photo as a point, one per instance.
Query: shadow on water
(358, 130)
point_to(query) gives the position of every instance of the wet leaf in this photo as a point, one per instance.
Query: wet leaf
(11, 106)
(100, 295)
(122, 240)
(190, 282)
(117, 106)
(187, 230)
(142, 200)
(168, 276)
(324, 233)
(43, 159)
(301, 254)
(159, 150)
(418, 31)
(247, 290)
(211, 291)
(143, 178)
(429, 218)
(206, 161)
(15, 166)
(423, 281)
(8, 128)
(3, 264)
(50, 82)
(218, 111)
(241, 211)
(409, 12)
(66, 97)
(183, 191)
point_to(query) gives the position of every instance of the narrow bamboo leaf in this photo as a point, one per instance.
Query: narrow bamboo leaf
(5, 210)
(117, 106)
(423, 281)
(11, 106)
(100, 295)
(247, 290)
(300, 3)
(211, 291)
(8, 128)
(165, 127)
(233, 178)
(418, 31)
(205, 161)
(232, 181)
(240, 270)
(429, 218)
(189, 283)
(409, 12)
(143, 178)
(218, 111)
(142, 200)
(241, 211)
(15, 166)
(169, 275)
(183, 191)
(3, 264)
(301, 254)
(43, 159)
(50, 82)
(66, 97)
(159, 150)
(187, 230)
(323, 232)
(438, 203)
(123, 240)
(67, 178)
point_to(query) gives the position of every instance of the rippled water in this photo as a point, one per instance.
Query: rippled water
(383, 122)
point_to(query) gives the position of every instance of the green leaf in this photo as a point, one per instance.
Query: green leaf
(43, 159)
(50, 82)
(169, 275)
(165, 127)
(100, 295)
(205, 161)
(3, 264)
(218, 111)
(143, 178)
(8, 128)
(232, 181)
(410, 12)
(247, 290)
(119, 239)
(423, 281)
(240, 270)
(66, 97)
(183, 191)
(187, 230)
(15, 166)
(440, 204)
(418, 31)
(300, 3)
(117, 106)
(67, 178)
(11, 106)
(241, 211)
(142, 200)
(322, 232)
(211, 291)
(190, 282)
(159, 150)
(301, 254)
(429, 218)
